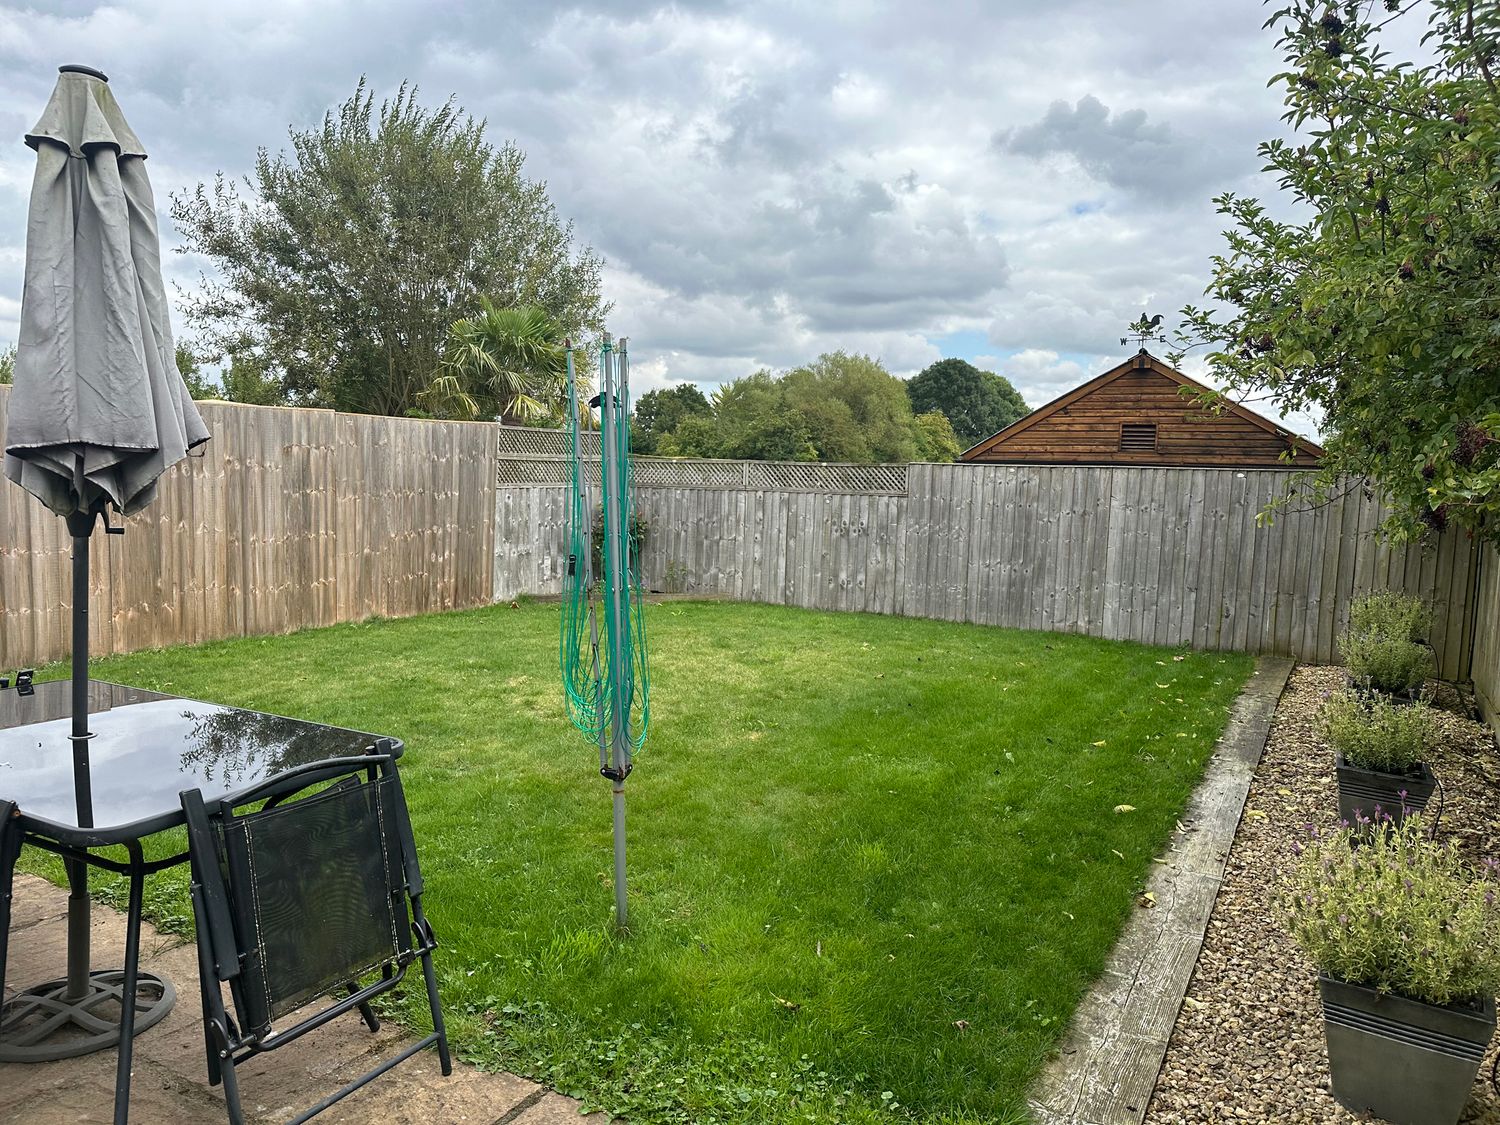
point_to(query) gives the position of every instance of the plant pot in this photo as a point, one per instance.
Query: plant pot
(1402, 698)
(1360, 790)
(1405, 1061)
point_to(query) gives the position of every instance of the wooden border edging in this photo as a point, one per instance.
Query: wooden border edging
(1106, 1066)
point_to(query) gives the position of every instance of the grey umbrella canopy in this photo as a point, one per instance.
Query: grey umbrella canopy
(99, 410)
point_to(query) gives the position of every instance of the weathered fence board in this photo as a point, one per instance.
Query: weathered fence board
(1166, 556)
(287, 519)
(1487, 638)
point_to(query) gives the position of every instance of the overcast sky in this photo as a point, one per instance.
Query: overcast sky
(1006, 182)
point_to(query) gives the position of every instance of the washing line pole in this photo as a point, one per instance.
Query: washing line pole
(610, 417)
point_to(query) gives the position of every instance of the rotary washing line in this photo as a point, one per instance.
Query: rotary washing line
(604, 673)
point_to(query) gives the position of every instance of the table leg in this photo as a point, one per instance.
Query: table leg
(127, 991)
(79, 937)
(10, 851)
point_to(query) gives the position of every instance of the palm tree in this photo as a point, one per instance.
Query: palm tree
(506, 363)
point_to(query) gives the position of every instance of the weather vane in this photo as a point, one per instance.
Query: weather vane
(1144, 331)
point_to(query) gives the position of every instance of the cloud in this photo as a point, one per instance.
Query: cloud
(1124, 150)
(766, 181)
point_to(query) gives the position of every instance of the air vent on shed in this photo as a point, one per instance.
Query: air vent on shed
(1138, 437)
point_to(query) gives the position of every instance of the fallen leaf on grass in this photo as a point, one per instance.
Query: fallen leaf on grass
(1099, 743)
(1117, 851)
(1124, 808)
(962, 1025)
(789, 1005)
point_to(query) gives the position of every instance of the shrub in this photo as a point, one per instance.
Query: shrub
(1388, 664)
(1373, 733)
(638, 531)
(1391, 615)
(1399, 913)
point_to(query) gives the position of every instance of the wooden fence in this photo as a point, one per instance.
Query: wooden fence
(1486, 666)
(291, 518)
(296, 518)
(1165, 556)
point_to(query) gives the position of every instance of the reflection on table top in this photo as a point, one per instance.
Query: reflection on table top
(147, 748)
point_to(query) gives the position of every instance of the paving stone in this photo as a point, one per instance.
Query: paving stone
(554, 1109)
(169, 1082)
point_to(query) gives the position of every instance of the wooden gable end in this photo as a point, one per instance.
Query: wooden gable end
(1143, 413)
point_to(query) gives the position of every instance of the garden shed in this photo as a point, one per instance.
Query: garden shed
(1145, 412)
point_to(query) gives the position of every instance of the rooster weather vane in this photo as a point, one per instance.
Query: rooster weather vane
(1144, 331)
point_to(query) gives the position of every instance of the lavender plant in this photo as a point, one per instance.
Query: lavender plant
(1399, 913)
(1385, 663)
(1372, 733)
(1391, 615)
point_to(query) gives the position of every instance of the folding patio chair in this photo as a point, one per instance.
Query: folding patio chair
(314, 888)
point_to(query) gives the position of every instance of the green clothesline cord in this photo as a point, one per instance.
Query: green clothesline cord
(592, 647)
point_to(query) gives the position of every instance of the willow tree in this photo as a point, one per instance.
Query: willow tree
(341, 264)
(1378, 302)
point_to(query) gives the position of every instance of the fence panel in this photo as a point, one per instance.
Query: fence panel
(1163, 556)
(286, 519)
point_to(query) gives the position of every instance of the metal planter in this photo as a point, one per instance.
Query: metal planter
(1360, 790)
(1405, 1061)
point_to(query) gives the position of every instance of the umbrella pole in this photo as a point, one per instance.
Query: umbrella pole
(80, 526)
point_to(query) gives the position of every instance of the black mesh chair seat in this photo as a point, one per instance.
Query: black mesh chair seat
(312, 889)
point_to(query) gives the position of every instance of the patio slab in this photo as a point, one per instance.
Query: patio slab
(169, 1083)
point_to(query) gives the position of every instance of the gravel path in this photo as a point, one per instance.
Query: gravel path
(1248, 1043)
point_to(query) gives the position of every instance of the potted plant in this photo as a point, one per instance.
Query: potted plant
(1394, 666)
(1407, 943)
(1393, 615)
(1378, 750)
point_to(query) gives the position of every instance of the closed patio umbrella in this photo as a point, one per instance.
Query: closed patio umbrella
(98, 411)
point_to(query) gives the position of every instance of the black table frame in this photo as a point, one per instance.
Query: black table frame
(74, 845)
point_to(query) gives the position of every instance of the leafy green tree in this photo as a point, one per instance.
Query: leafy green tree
(658, 413)
(1375, 305)
(855, 410)
(342, 268)
(697, 435)
(8, 364)
(936, 440)
(504, 363)
(977, 403)
(247, 381)
(199, 385)
(753, 421)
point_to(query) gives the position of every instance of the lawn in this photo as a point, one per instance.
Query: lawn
(874, 861)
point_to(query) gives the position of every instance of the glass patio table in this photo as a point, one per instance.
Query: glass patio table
(146, 749)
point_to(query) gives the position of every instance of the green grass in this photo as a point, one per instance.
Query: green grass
(874, 862)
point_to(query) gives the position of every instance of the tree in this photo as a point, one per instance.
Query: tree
(753, 421)
(854, 408)
(8, 364)
(199, 385)
(504, 363)
(977, 403)
(935, 438)
(658, 413)
(1377, 304)
(695, 436)
(343, 267)
(247, 381)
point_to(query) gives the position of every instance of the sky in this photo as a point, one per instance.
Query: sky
(1010, 183)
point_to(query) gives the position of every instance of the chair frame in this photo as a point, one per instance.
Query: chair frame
(221, 957)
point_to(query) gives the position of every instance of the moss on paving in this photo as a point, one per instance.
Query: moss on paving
(874, 861)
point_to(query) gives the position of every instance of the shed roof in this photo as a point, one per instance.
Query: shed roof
(1141, 360)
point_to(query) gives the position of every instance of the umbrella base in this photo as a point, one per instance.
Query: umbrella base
(41, 1025)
